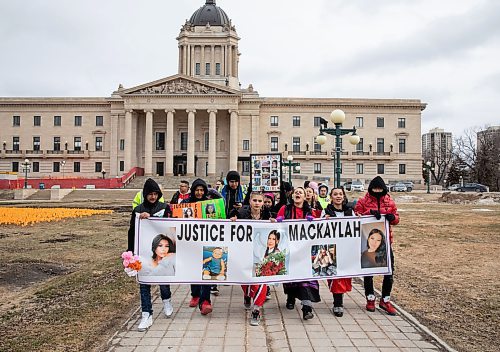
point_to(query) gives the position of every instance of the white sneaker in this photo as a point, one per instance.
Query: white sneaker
(167, 307)
(146, 321)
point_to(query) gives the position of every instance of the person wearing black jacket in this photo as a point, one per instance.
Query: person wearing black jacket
(181, 194)
(150, 207)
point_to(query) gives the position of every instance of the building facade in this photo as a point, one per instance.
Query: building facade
(437, 145)
(200, 122)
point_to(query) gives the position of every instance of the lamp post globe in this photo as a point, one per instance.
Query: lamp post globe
(354, 139)
(337, 116)
(289, 158)
(321, 139)
(297, 167)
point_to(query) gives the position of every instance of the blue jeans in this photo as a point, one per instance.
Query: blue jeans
(145, 290)
(202, 291)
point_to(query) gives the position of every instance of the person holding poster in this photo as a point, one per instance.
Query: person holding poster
(306, 291)
(338, 208)
(151, 206)
(257, 293)
(378, 202)
(376, 252)
(200, 294)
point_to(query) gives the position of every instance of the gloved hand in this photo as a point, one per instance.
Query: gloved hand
(309, 218)
(390, 217)
(280, 218)
(375, 213)
(130, 272)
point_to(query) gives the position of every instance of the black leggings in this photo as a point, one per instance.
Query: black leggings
(386, 284)
(338, 299)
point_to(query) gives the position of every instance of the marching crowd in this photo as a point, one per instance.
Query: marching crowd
(307, 202)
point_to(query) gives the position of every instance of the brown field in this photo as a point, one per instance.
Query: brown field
(63, 288)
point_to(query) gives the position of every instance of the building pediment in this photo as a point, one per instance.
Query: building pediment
(178, 85)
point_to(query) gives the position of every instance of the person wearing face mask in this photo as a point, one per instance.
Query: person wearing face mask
(378, 202)
(232, 193)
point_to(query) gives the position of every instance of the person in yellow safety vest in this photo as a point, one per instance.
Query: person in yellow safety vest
(323, 198)
(139, 199)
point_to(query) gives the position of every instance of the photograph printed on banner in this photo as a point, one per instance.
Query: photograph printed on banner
(274, 163)
(270, 252)
(373, 245)
(324, 260)
(210, 211)
(188, 213)
(214, 263)
(159, 259)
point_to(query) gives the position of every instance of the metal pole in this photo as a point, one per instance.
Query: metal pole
(428, 179)
(25, 176)
(290, 172)
(337, 154)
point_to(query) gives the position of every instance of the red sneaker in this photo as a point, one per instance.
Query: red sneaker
(370, 305)
(206, 308)
(194, 301)
(388, 307)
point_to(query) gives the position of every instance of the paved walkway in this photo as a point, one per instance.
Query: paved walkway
(228, 329)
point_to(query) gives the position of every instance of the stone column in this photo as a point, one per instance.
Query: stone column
(230, 61)
(191, 139)
(113, 150)
(212, 60)
(188, 60)
(148, 141)
(169, 155)
(255, 133)
(128, 140)
(180, 59)
(184, 59)
(202, 60)
(192, 60)
(233, 140)
(212, 142)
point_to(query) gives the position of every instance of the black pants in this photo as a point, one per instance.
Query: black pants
(202, 291)
(386, 284)
(338, 299)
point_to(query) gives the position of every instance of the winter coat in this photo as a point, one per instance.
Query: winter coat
(330, 210)
(246, 213)
(384, 204)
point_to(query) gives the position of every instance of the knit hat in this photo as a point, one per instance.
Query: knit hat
(377, 182)
(314, 186)
(233, 176)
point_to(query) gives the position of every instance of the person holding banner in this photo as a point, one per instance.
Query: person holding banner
(256, 211)
(306, 291)
(338, 208)
(200, 294)
(150, 207)
(378, 202)
(312, 200)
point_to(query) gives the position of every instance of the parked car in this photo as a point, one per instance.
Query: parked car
(453, 187)
(472, 187)
(399, 187)
(347, 186)
(409, 186)
(357, 186)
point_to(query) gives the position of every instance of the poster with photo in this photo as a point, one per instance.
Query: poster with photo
(265, 172)
(208, 209)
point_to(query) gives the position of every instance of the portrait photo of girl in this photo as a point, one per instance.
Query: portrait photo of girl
(274, 259)
(188, 212)
(324, 260)
(375, 254)
(162, 259)
(210, 211)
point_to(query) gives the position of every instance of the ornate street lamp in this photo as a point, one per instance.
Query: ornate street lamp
(62, 163)
(337, 117)
(26, 165)
(428, 167)
(291, 164)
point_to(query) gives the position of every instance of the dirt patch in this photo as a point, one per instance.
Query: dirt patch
(19, 275)
(470, 198)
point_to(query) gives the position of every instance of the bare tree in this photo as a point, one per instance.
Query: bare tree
(441, 157)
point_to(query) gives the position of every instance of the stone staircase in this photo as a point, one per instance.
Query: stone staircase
(43, 194)
(167, 182)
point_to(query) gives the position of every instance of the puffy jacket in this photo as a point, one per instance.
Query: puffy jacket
(384, 204)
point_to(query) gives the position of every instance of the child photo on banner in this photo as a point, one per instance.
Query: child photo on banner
(208, 209)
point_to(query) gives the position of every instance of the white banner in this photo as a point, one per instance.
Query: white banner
(225, 252)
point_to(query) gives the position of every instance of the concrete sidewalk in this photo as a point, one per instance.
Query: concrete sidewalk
(228, 329)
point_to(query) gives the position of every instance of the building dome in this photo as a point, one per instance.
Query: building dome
(209, 13)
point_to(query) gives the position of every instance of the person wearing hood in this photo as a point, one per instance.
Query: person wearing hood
(378, 202)
(150, 207)
(200, 294)
(232, 193)
(323, 196)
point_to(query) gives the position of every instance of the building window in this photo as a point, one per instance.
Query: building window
(207, 69)
(402, 122)
(57, 120)
(274, 144)
(359, 121)
(122, 144)
(380, 145)
(16, 120)
(317, 168)
(98, 144)
(184, 141)
(317, 147)
(360, 168)
(99, 121)
(207, 141)
(217, 68)
(77, 144)
(160, 141)
(359, 146)
(317, 121)
(35, 166)
(380, 169)
(246, 144)
(56, 166)
(380, 122)
(296, 121)
(402, 145)
(197, 69)
(122, 165)
(296, 144)
(15, 166)
(402, 169)
(37, 120)
(246, 167)
(76, 166)
(78, 120)
(98, 166)
(15, 143)
(274, 121)
(57, 144)
(36, 143)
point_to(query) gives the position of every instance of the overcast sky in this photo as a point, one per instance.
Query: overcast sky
(446, 53)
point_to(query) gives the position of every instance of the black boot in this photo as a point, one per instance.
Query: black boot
(307, 312)
(290, 302)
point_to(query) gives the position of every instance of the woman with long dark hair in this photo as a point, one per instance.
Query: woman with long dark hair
(375, 254)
